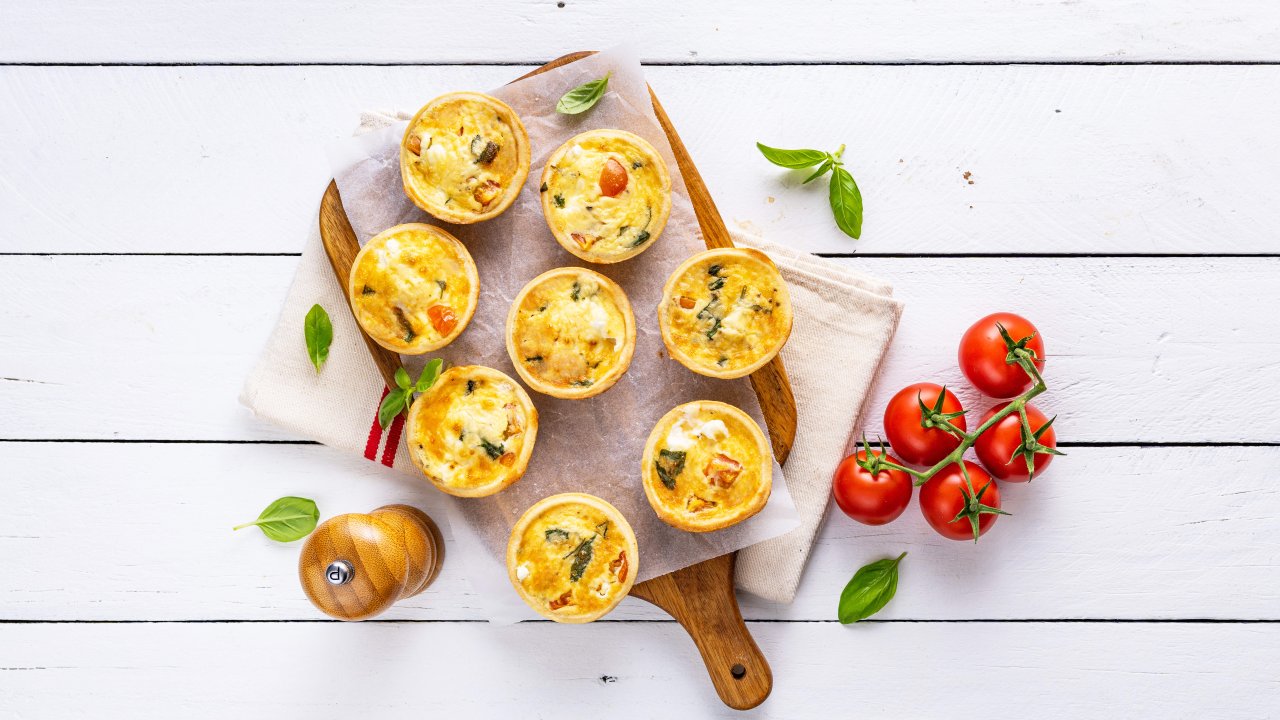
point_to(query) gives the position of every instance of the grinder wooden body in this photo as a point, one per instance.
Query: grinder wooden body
(355, 566)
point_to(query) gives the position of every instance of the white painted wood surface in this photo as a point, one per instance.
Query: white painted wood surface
(333, 670)
(1074, 159)
(1140, 349)
(1101, 534)
(1139, 576)
(665, 30)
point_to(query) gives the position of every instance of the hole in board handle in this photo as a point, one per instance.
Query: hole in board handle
(738, 671)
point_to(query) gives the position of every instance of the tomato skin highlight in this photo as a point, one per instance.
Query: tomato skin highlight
(982, 355)
(944, 496)
(995, 446)
(915, 444)
(871, 500)
(613, 178)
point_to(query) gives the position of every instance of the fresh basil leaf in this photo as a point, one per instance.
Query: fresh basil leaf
(287, 519)
(669, 464)
(822, 170)
(401, 397)
(793, 159)
(430, 372)
(392, 405)
(318, 331)
(870, 589)
(846, 202)
(492, 449)
(581, 558)
(584, 97)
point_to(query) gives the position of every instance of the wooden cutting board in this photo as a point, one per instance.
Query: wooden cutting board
(699, 597)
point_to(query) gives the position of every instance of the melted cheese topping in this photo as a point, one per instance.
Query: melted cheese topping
(707, 466)
(413, 288)
(573, 559)
(461, 155)
(473, 431)
(726, 312)
(600, 227)
(570, 333)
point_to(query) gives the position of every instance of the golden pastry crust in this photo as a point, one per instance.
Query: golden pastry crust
(571, 333)
(606, 195)
(464, 157)
(706, 466)
(472, 433)
(725, 313)
(413, 288)
(572, 557)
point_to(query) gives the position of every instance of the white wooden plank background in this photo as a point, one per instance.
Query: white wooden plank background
(1138, 347)
(1095, 537)
(333, 670)
(1063, 159)
(667, 30)
(1139, 575)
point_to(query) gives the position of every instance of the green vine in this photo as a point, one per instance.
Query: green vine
(934, 417)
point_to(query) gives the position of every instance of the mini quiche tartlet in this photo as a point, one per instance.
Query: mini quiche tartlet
(473, 432)
(606, 195)
(706, 466)
(413, 288)
(572, 557)
(571, 333)
(725, 313)
(464, 157)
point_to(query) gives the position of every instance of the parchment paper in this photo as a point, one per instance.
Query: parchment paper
(591, 445)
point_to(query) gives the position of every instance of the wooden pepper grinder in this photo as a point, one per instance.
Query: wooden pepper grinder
(356, 566)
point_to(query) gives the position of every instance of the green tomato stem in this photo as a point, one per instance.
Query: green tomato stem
(949, 427)
(967, 440)
(1026, 422)
(914, 473)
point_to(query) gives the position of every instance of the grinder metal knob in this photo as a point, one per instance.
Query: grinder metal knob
(339, 572)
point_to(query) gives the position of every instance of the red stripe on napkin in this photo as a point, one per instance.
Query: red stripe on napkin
(375, 432)
(393, 441)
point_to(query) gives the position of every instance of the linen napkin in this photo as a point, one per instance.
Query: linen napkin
(843, 324)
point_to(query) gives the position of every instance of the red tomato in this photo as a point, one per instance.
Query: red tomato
(871, 498)
(442, 318)
(613, 178)
(915, 441)
(996, 446)
(946, 495)
(984, 354)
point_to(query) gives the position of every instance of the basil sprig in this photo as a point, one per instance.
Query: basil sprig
(287, 519)
(793, 159)
(401, 396)
(584, 97)
(870, 589)
(845, 198)
(319, 334)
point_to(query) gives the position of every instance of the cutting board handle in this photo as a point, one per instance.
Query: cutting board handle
(701, 599)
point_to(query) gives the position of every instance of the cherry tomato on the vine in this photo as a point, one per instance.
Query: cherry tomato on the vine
(915, 440)
(871, 498)
(984, 354)
(1004, 447)
(946, 496)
